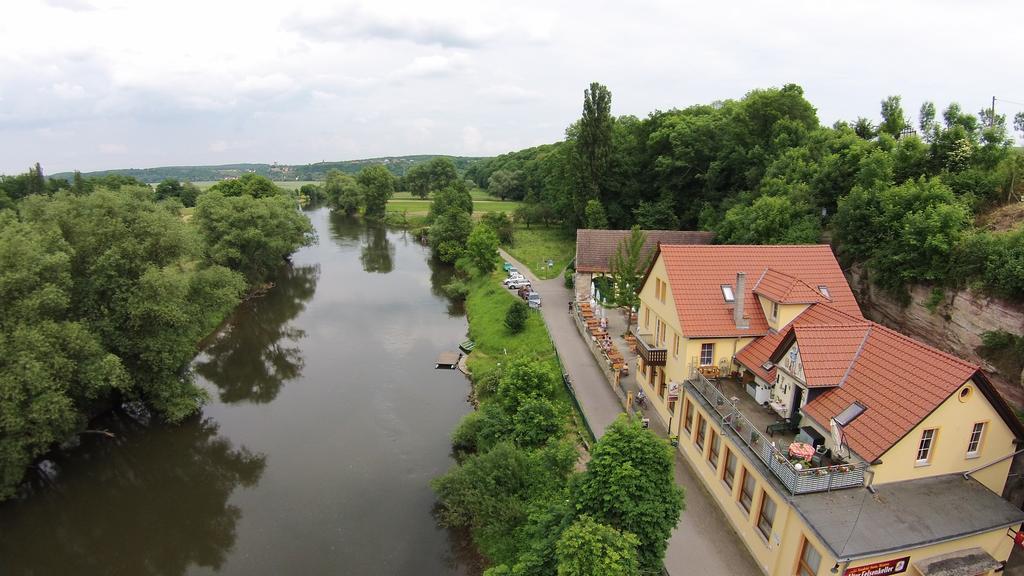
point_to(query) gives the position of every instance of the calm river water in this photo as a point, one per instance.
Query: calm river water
(326, 423)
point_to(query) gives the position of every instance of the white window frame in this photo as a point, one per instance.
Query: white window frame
(728, 294)
(710, 346)
(926, 446)
(977, 435)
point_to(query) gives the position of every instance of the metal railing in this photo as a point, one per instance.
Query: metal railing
(802, 481)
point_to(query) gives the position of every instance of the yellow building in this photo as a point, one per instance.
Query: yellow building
(832, 444)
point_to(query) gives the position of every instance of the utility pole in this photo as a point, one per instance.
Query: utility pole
(992, 116)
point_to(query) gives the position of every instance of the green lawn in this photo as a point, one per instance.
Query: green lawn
(534, 246)
(423, 206)
(288, 185)
(486, 306)
(475, 193)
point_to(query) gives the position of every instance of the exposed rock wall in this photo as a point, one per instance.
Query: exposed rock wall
(955, 326)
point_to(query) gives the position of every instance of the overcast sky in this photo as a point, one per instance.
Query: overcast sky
(97, 84)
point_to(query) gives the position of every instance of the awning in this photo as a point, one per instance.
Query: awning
(969, 562)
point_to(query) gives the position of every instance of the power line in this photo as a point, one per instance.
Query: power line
(1007, 101)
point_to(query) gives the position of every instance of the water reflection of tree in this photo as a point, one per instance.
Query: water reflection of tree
(441, 274)
(345, 230)
(378, 253)
(256, 355)
(157, 505)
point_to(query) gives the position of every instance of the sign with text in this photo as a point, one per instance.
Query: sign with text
(895, 566)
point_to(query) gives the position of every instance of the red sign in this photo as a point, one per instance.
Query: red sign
(1018, 538)
(896, 566)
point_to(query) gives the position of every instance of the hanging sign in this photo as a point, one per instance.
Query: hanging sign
(673, 390)
(895, 566)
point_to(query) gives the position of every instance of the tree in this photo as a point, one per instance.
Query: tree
(342, 191)
(501, 183)
(482, 248)
(249, 184)
(628, 267)
(926, 121)
(455, 197)
(536, 422)
(449, 233)
(515, 318)
(660, 215)
(770, 220)
(589, 548)
(865, 129)
(594, 215)
(893, 119)
(169, 188)
(593, 145)
(629, 485)
(502, 226)
(251, 235)
(439, 173)
(524, 378)
(377, 185)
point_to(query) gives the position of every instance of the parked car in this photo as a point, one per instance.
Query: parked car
(533, 299)
(507, 266)
(518, 283)
(512, 271)
(508, 281)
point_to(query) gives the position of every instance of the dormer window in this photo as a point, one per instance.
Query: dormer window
(728, 294)
(824, 292)
(775, 310)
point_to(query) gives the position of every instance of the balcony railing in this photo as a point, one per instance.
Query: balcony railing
(801, 481)
(652, 354)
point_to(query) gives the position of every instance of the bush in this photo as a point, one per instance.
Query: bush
(486, 385)
(569, 277)
(515, 318)
(524, 379)
(464, 437)
(456, 289)
(536, 422)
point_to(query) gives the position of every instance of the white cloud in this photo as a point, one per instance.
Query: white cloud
(314, 80)
(113, 149)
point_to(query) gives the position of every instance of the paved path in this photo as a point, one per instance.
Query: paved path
(703, 541)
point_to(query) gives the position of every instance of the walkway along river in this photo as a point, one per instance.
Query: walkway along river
(314, 455)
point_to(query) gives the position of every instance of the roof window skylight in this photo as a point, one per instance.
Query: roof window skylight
(727, 293)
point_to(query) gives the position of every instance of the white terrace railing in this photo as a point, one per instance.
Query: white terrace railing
(803, 481)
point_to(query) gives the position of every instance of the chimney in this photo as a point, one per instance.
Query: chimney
(737, 310)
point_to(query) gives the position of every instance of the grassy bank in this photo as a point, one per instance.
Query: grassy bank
(534, 246)
(486, 306)
(420, 207)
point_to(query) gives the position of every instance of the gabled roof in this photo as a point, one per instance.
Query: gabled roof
(760, 351)
(828, 353)
(595, 249)
(899, 380)
(696, 274)
(786, 289)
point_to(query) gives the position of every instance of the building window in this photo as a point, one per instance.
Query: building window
(707, 354)
(664, 290)
(974, 443)
(775, 310)
(727, 293)
(824, 292)
(924, 449)
(729, 474)
(810, 560)
(671, 406)
(661, 333)
(746, 490)
(647, 316)
(766, 517)
(675, 345)
(702, 431)
(716, 446)
(688, 417)
(657, 288)
(651, 371)
(661, 384)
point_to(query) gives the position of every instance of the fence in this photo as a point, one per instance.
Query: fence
(801, 481)
(572, 392)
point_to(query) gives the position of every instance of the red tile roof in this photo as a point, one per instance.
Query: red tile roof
(760, 351)
(696, 274)
(898, 379)
(828, 353)
(595, 249)
(785, 289)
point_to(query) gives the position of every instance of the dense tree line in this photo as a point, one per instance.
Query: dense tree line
(529, 512)
(898, 197)
(107, 292)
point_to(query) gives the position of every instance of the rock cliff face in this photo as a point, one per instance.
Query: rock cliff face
(955, 326)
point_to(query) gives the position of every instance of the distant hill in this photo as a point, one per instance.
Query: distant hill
(279, 172)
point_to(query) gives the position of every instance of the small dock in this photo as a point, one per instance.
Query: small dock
(448, 360)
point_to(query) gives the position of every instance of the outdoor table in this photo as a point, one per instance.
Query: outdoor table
(801, 450)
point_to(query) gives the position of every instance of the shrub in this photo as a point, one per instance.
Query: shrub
(515, 318)
(569, 276)
(456, 289)
(536, 422)
(464, 437)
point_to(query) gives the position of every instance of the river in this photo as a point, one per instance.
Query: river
(325, 424)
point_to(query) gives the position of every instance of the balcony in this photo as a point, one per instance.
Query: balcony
(802, 480)
(652, 355)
